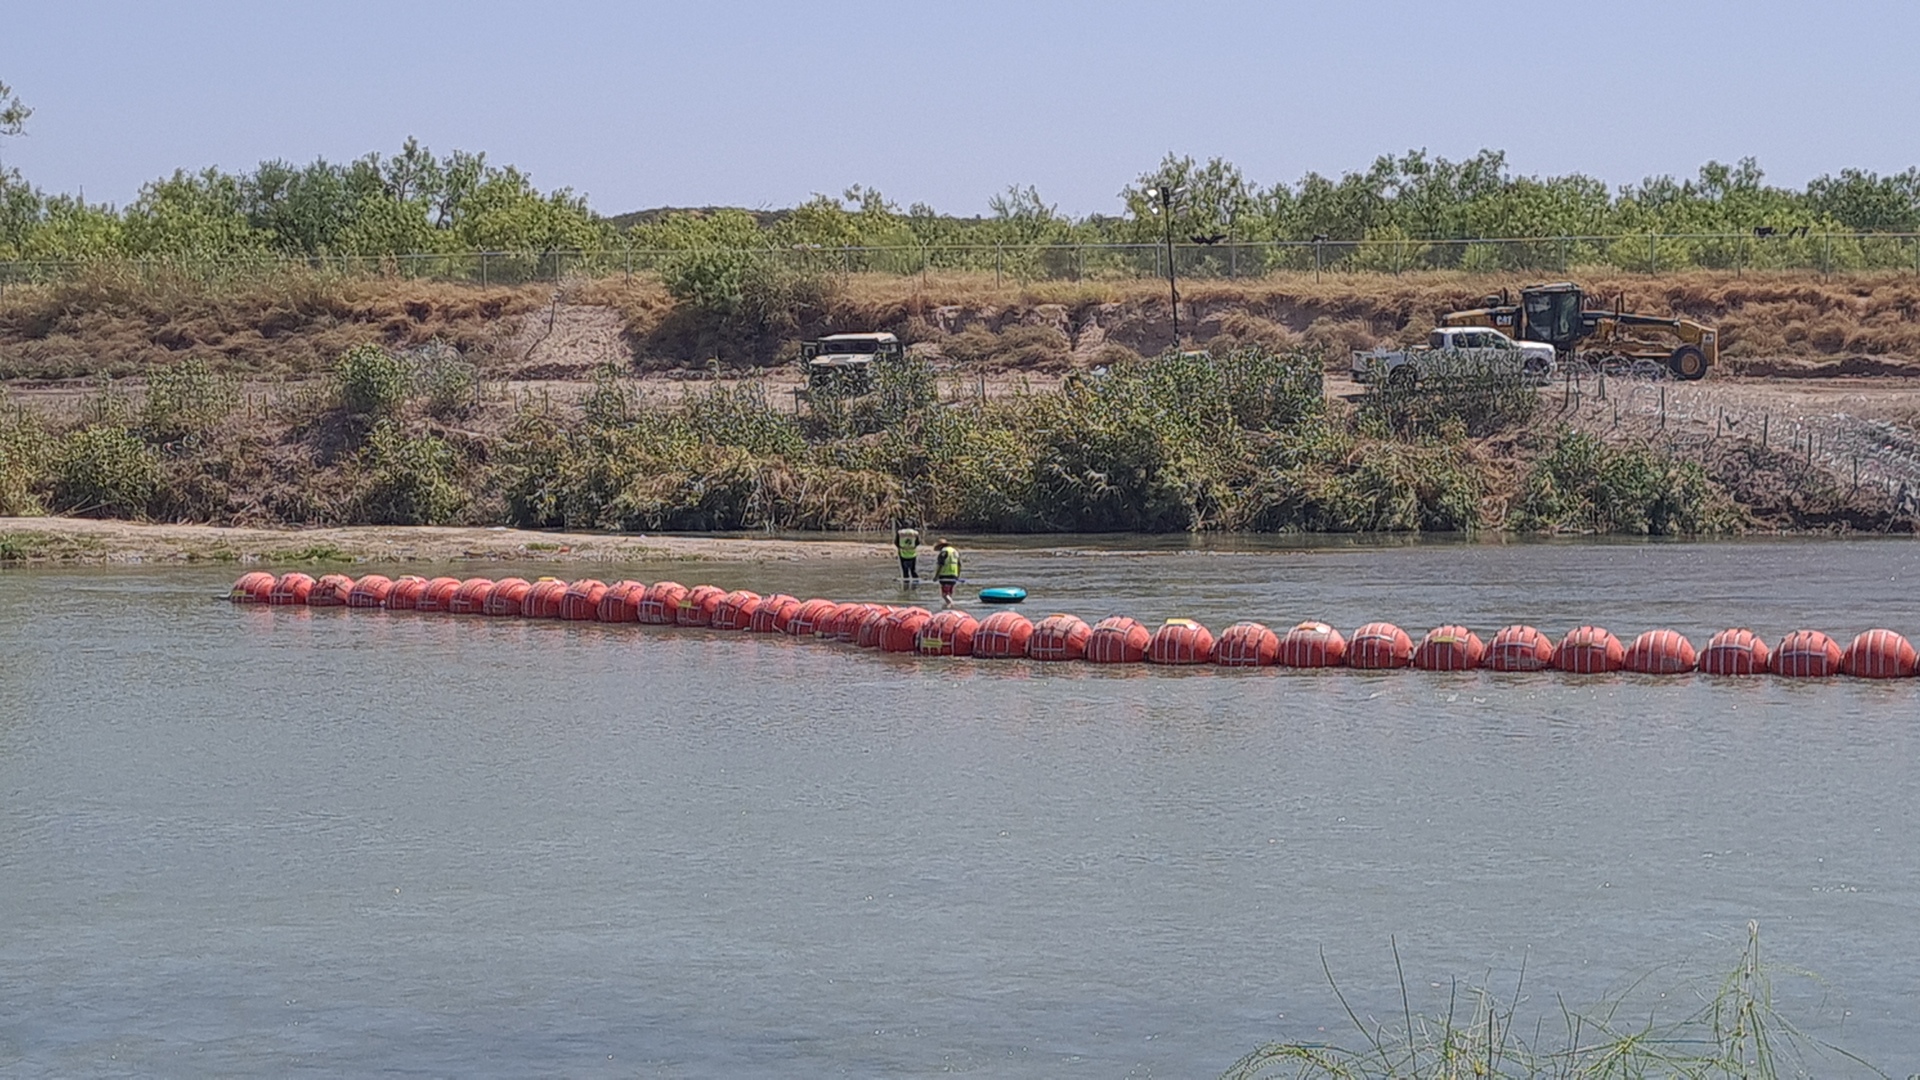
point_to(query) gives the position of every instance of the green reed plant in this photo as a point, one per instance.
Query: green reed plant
(1736, 1032)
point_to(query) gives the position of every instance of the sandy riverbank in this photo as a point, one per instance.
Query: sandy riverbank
(86, 540)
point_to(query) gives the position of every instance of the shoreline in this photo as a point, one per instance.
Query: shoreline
(97, 541)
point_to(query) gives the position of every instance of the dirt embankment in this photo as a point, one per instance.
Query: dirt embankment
(294, 324)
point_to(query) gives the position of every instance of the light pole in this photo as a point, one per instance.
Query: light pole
(1163, 205)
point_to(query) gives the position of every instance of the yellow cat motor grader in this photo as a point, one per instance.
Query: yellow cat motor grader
(1557, 314)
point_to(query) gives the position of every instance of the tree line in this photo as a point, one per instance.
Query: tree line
(415, 202)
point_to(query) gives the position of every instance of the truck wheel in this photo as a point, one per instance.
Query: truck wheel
(1402, 378)
(1688, 363)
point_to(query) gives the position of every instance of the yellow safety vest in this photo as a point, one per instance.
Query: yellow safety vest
(908, 543)
(949, 563)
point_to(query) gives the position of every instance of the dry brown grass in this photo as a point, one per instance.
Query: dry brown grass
(122, 322)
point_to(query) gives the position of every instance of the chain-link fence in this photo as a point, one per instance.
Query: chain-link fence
(1647, 253)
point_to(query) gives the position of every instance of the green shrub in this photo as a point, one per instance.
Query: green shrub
(186, 399)
(447, 381)
(410, 479)
(26, 450)
(1581, 484)
(104, 472)
(372, 381)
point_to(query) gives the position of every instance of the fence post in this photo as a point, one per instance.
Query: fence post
(483, 268)
(996, 265)
(1826, 255)
(1653, 253)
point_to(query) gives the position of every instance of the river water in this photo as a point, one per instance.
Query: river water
(240, 841)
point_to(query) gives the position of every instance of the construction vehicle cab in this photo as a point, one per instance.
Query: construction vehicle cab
(1558, 315)
(843, 363)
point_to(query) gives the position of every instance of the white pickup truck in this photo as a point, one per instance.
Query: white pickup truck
(1454, 351)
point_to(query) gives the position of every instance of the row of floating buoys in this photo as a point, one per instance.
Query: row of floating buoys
(1003, 635)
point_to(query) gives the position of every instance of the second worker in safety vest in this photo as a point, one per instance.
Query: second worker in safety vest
(906, 542)
(946, 569)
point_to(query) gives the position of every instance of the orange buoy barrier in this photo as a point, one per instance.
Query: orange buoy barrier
(406, 592)
(1059, 637)
(1247, 644)
(660, 604)
(581, 602)
(1002, 635)
(1660, 652)
(331, 590)
(735, 610)
(697, 607)
(1880, 654)
(901, 633)
(1449, 648)
(291, 588)
(621, 602)
(370, 591)
(438, 593)
(771, 616)
(1738, 651)
(873, 627)
(1180, 641)
(507, 599)
(946, 633)
(846, 628)
(1807, 654)
(1518, 648)
(1379, 645)
(806, 621)
(471, 597)
(1313, 644)
(1118, 639)
(1589, 650)
(543, 600)
(252, 588)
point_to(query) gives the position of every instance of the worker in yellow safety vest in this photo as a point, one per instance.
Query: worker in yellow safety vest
(906, 541)
(946, 570)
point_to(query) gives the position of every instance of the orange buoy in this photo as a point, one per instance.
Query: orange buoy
(1449, 648)
(1589, 650)
(1313, 644)
(620, 603)
(438, 594)
(1807, 654)
(947, 633)
(543, 600)
(1002, 635)
(405, 594)
(806, 621)
(735, 610)
(1660, 652)
(291, 588)
(1738, 651)
(771, 616)
(1247, 644)
(901, 634)
(1059, 637)
(660, 604)
(581, 602)
(1519, 648)
(846, 627)
(1118, 639)
(331, 590)
(697, 607)
(252, 588)
(507, 598)
(1180, 641)
(370, 591)
(471, 597)
(873, 628)
(1379, 645)
(1880, 654)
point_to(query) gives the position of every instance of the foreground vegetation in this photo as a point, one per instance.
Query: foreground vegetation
(1239, 439)
(1735, 1032)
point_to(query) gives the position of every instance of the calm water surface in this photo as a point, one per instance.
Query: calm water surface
(245, 842)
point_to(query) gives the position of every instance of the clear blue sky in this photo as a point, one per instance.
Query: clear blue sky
(761, 104)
